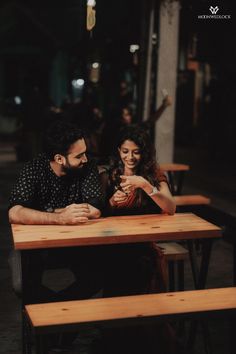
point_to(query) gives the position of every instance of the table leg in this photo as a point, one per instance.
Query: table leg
(180, 182)
(205, 260)
(193, 261)
(232, 334)
(234, 262)
(41, 345)
(26, 333)
(176, 180)
(200, 277)
(200, 274)
(171, 182)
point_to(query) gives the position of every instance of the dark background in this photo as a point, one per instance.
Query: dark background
(34, 33)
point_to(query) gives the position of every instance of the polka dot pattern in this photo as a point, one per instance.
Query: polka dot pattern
(38, 187)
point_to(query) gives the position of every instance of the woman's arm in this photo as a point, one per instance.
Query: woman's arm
(161, 197)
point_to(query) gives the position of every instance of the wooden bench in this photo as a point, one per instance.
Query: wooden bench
(197, 199)
(139, 309)
(174, 167)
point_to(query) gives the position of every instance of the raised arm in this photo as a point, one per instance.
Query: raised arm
(167, 101)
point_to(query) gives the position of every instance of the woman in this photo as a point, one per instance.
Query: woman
(137, 186)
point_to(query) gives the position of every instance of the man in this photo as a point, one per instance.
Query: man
(60, 186)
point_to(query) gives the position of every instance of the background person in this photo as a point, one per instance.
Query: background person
(125, 117)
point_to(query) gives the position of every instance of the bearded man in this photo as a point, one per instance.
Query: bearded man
(60, 187)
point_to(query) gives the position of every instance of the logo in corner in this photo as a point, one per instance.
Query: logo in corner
(214, 10)
(213, 15)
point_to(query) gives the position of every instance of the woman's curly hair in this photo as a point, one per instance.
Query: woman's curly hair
(148, 167)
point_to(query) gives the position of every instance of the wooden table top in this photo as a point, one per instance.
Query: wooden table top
(114, 230)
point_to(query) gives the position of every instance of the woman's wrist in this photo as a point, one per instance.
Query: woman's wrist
(147, 187)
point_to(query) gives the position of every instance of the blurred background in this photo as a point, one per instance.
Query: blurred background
(52, 67)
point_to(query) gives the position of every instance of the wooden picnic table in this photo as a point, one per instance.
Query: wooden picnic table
(114, 230)
(122, 229)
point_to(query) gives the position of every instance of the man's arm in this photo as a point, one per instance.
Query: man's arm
(71, 215)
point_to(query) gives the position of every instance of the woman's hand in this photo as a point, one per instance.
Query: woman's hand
(130, 183)
(118, 198)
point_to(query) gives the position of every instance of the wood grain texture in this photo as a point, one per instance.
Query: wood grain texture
(174, 167)
(173, 251)
(115, 230)
(196, 199)
(105, 310)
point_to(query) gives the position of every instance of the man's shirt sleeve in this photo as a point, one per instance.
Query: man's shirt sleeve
(23, 191)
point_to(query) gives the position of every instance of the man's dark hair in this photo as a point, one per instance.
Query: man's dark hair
(59, 136)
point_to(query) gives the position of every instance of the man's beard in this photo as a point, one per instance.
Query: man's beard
(72, 172)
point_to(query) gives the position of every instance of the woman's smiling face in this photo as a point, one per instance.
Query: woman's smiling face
(130, 155)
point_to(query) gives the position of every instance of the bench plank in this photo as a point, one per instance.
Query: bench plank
(174, 167)
(110, 310)
(197, 199)
(173, 251)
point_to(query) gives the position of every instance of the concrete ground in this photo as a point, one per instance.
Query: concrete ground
(204, 177)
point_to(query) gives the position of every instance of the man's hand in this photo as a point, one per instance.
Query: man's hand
(74, 214)
(167, 101)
